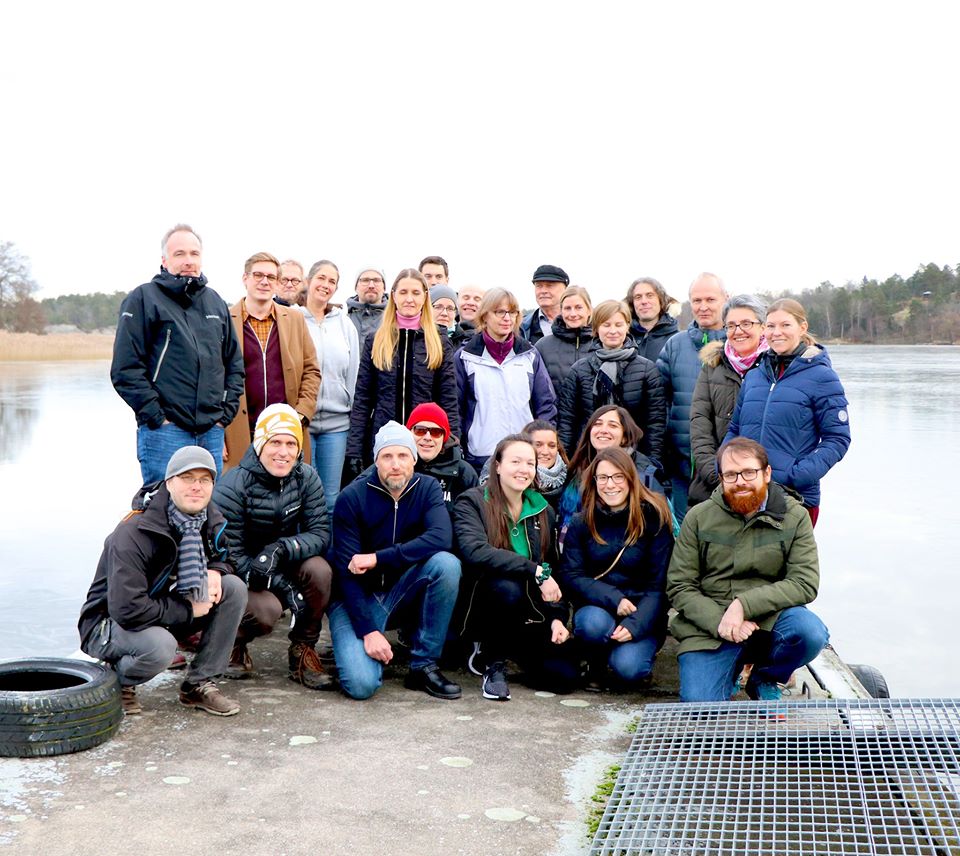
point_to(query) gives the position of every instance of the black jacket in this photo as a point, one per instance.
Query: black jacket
(176, 355)
(639, 389)
(366, 317)
(463, 332)
(132, 582)
(262, 509)
(561, 350)
(651, 342)
(640, 574)
(382, 396)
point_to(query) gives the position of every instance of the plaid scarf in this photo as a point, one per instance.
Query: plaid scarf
(192, 562)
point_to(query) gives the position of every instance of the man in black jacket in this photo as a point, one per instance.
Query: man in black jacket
(277, 532)
(391, 562)
(176, 359)
(163, 575)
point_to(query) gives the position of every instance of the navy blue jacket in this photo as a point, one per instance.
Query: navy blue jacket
(530, 328)
(650, 342)
(801, 419)
(402, 534)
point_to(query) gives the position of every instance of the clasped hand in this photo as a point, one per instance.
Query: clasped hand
(733, 626)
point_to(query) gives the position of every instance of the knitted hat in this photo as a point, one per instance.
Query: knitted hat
(551, 273)
(430, 412)
(439, 291)
(364, 270)
(275, 420)
(394, 434)
(190, 458)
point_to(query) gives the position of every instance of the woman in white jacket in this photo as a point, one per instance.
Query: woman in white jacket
(338, 354)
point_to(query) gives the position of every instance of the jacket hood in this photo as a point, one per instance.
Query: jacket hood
(446, 463)
(355, 305)
(181, 288)
(701, 337)
(711, 354)
(568, 334)
(665, 326)
(812, 355)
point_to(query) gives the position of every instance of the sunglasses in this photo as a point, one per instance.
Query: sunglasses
(423, 430)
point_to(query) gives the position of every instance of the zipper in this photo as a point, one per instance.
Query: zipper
(163, 353)
(403, 400)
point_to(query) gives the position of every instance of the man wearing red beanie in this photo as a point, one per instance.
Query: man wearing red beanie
(439, 452)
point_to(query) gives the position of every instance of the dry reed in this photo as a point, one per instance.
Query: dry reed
(55, 346)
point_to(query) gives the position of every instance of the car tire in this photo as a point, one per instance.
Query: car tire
(872, 680)
(54, 706)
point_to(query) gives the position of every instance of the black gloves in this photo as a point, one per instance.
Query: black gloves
(288, 596)
(354, 466)
(269, 559)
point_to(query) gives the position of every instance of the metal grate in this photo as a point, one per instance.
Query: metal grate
(835, 776)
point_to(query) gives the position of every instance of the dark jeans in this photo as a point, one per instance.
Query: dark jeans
(312, 579)
(630, 661)
(139, 655)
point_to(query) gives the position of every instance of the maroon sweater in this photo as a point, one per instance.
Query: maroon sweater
(264, 372)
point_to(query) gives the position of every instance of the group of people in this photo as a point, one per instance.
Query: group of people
(433, 427)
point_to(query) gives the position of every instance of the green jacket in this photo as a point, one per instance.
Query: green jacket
(769, 562)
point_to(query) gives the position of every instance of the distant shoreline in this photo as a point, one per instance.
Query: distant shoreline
(32, 347)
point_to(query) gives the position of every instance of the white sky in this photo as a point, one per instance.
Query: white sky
(778, 145)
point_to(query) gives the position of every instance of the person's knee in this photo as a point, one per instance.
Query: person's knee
(504, 591)
(592, 624)
(444, 567)
(360, 684)
(233, 590)
(317, 573)
(263, 612)
(630, 666)
(156, 654)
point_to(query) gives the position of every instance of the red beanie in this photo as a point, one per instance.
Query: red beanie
(430, 412)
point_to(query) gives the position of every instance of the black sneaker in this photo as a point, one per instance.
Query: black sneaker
(476, 662)
(495, 684)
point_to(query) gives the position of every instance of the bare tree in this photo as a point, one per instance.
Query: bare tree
(18, 309)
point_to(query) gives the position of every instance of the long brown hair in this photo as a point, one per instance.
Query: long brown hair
(496, 511)
(388, 333)
(584, 454)
(637, 495)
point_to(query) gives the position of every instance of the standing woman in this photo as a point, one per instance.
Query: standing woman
(725, 362)
(794, 405)
(501, 379)
(504, 533)
(405, 363)
(615, 561)
(572, 336)
(338, 352)
(614, 374)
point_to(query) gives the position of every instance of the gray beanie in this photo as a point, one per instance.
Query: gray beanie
(190, 458)
(441, 290)
(393, 434)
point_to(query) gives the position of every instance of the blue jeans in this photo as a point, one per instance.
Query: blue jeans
(630, 661)
(156, 446)
(426, 593)
(680, 485)
(798, 636)
(328, 452)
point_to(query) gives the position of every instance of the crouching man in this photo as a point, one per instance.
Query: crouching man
(164, 574)
(743, 566)
(277, 532)
(393, 568)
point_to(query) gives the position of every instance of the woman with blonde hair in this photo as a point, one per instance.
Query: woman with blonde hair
(405, 363)
(501, 379)
(572, 336)
(794, 405)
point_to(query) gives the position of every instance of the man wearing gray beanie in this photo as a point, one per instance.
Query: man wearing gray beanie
(392, 556)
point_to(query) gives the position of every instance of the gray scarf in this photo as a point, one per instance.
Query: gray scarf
(605, 387)
(192, 561)
(552, 478)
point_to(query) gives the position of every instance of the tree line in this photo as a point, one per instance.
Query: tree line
(921, 309)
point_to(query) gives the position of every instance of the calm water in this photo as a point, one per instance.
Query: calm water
(889, 529)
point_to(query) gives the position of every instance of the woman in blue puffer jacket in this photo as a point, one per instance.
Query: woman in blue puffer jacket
(794, 405)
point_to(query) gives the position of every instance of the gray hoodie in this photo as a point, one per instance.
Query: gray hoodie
(338, 354)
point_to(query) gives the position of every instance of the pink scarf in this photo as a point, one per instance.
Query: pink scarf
(405, 323)
(741, 365)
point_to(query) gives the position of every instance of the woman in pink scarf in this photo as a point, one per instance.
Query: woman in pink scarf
(725, 363)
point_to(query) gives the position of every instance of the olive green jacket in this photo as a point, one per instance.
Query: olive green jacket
(768, 562)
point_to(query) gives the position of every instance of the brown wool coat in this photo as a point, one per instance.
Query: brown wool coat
(301, 379)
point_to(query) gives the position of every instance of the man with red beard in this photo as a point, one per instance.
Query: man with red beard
(744, 565)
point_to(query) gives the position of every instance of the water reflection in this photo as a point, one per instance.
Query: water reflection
(19, 397)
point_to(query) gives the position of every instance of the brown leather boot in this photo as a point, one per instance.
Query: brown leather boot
(306, 668)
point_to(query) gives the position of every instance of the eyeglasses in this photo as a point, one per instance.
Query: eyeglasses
(746, 326)
(290, 280)
(260, 276)
(423, 430)
(505, 313)
(370, 280)
(617, 478)
(205, 481)
(731, 476)
(444, 310)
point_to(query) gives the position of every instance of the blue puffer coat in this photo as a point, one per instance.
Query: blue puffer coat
(800, 419)
(679, 365)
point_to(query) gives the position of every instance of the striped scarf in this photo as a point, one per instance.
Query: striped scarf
(192, 566)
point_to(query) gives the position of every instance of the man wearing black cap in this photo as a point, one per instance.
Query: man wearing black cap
(549, 281)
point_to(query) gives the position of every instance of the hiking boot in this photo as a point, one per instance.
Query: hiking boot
(129, 702)
(240, 666)
(476, 662)
(325, 653)
(306, 668)
(495, 684)
(178, 661)
(207, 697)
(764, 690)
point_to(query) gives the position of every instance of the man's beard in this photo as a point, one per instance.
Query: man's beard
(396, 484)
(746, 503)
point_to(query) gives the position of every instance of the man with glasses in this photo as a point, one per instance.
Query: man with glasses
(279, 356)
(743, 566)
(176, 358)
(290, 284)
(163, 576)
(366, 307)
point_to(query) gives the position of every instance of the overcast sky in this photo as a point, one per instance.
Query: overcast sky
(778, 145)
